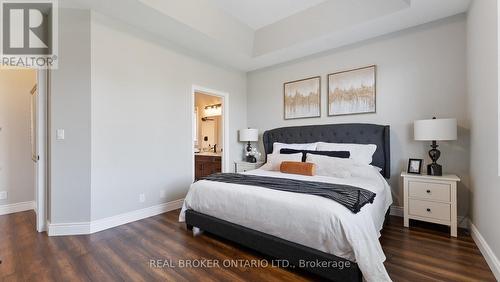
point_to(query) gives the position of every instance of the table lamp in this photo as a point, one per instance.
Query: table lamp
(249, 135)
(435, 130)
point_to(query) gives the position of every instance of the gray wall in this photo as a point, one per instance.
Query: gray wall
(70, 110)
(125, 109)
(141, 117)
(420, 74)
(16, 168)
(482, 45)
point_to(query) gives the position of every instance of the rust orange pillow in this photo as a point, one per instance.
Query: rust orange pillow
(301, 168)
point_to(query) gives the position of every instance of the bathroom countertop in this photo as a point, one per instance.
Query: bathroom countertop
(208, 154)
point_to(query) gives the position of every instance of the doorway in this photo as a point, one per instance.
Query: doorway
(23, 141)
(209, 132)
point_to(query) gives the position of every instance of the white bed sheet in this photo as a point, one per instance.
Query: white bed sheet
(309, 220)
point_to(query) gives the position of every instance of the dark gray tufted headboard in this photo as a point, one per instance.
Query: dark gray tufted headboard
(358, 133)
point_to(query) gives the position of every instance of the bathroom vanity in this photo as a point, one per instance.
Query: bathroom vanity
(207, 163)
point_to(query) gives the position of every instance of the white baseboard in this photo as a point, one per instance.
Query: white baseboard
(17, 207)
(64, 229)
(485, 249)
(117, 220)
(81, 228)
(463, 221)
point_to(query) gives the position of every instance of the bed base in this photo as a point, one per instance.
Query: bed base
(275, 247)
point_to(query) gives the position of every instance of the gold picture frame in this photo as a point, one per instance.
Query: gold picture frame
(352, 91)
(302, 98)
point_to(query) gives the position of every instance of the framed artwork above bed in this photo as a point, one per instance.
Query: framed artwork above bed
(302, 98)
(352, 91)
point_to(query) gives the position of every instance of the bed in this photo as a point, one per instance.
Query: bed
(313, 233)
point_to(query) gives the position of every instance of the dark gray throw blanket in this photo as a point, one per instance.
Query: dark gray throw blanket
(353, 198)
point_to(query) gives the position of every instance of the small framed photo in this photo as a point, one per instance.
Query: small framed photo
(415, 166)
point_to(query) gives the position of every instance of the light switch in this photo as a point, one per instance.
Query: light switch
(60, 134)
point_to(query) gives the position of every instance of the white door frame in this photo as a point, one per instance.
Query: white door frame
(41, 156)
(225, 122)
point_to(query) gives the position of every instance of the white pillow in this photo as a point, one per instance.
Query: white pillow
(331, 166)
(274, 160)
(360, 153)
(305, 146)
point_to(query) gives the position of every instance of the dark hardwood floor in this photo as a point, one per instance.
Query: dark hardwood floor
(424, 253)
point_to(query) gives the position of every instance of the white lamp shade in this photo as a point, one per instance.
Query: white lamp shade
(435, 129)
(249, 134)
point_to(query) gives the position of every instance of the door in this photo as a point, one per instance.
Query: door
(33, 140)
(208, 133)
(33, 125)
(38, 147)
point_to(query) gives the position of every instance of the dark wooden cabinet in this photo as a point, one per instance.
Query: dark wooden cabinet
(206, 165)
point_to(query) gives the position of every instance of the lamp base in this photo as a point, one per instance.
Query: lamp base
(250, 159)
(434, 169)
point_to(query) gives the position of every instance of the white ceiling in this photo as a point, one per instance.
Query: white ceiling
(253, 34)
(259, 13)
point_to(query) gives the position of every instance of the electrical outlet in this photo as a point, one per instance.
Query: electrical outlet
(142, 198)
(3, 195)
(162, 194)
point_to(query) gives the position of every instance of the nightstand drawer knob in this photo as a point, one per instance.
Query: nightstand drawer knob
(428, 210)
(428, 191)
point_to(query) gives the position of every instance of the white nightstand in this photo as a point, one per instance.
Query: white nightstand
(431, 198)
(241, 166)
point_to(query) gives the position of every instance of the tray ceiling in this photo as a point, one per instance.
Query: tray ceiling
(253, 34)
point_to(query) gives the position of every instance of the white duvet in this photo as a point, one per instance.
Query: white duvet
(309, 220)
